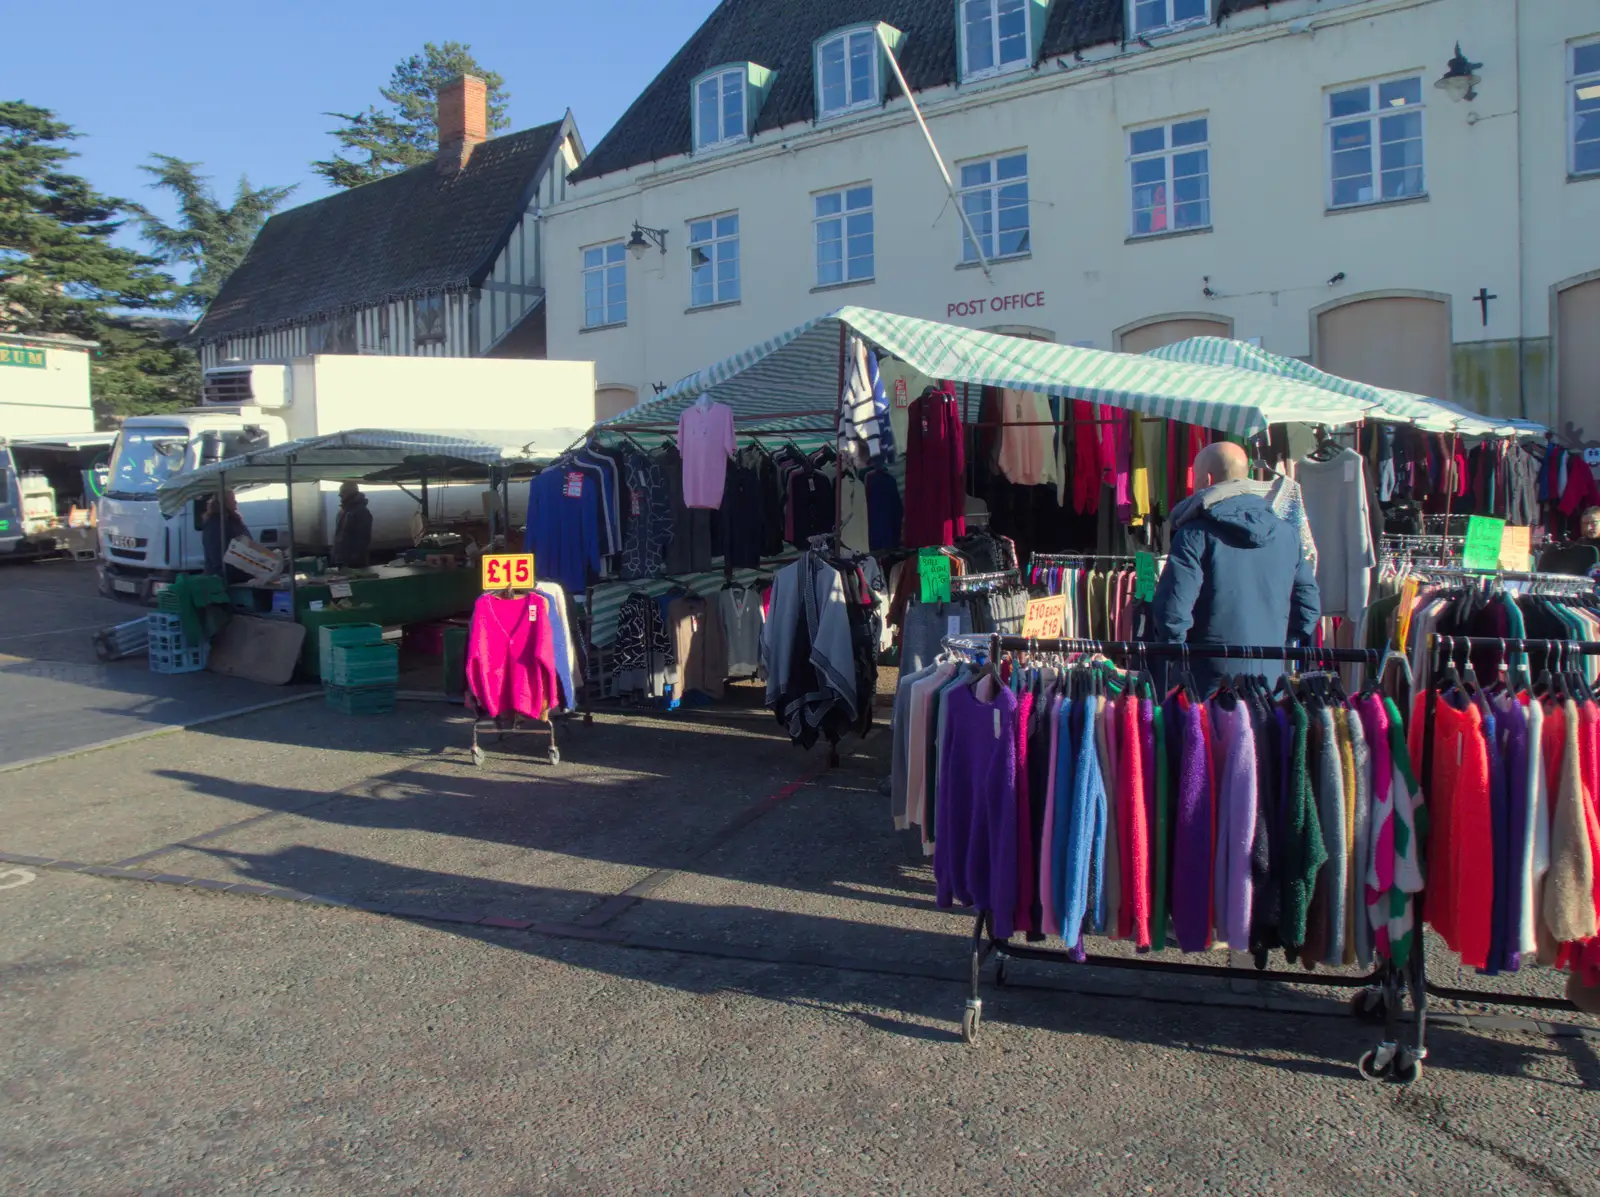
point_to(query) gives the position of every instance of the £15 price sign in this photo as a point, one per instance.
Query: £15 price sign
(508, 571)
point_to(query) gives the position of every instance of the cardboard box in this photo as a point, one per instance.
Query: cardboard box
(254, 559)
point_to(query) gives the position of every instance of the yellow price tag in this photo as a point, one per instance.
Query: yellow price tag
(502, 571)
(1045, 618)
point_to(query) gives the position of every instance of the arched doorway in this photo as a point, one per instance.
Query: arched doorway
(1578, 360)
(613, 401)
(1168, 330)
(1397, 341)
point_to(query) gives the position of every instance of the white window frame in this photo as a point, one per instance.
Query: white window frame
(999, 68)
(709, 247)
(1372, 116)
(1574, 81)
(874, 96)
(994, 186)
(606, 270)
(1170, 25)
(740, 77)
(841, 218)
(1168, 152)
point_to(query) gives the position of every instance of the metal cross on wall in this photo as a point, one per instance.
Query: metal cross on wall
(1482, 299)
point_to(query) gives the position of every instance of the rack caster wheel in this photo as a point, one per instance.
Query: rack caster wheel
(1407, 1069)
(1000, 972)
(1370, 1069)
(477, 756)
(971, 1020)
(1369, 1006)
(555, 755)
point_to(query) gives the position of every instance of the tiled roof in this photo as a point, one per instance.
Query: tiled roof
(409, 234)
(779, 34)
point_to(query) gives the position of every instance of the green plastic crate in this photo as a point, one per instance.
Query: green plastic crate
(364, 665)
(332, 636)
(360, 700)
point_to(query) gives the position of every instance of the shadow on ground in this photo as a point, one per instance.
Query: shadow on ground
(1293, 1042)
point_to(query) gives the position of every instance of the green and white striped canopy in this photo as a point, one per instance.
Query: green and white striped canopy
(791, 381)
(1400, 407)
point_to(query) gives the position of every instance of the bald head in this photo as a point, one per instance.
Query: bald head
(1223, 461)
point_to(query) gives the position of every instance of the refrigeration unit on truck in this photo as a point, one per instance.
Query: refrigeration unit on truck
(246, 407)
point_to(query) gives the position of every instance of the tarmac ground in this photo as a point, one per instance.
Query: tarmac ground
(293, 952)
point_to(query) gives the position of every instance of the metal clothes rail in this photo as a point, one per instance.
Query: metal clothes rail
(1381, 993)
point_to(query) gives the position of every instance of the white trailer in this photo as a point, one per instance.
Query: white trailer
(258, 406)
(49, 450)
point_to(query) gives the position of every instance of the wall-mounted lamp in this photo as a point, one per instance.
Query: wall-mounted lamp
(1336, 279)
(1460, 78)
(643, 238)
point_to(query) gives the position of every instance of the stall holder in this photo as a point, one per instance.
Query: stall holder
(1381, 993)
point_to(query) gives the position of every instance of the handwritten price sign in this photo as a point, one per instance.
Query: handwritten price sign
(1046, 618)
(508, 570)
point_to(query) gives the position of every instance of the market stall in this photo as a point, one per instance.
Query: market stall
(437, 586)
(1019, 461)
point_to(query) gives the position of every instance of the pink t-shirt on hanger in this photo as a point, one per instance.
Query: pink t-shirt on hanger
(705, 439)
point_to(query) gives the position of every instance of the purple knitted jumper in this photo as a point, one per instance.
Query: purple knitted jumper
(975, 841)
(1191, 839)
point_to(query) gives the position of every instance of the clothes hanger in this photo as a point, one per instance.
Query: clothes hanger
(1327, 447)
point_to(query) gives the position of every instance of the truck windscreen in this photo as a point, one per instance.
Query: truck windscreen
(145, 458)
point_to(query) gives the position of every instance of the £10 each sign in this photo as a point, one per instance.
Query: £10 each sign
(513, 571)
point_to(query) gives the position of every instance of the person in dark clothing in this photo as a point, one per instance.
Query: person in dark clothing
(1235, 574)
(217, 532)
(352, 534)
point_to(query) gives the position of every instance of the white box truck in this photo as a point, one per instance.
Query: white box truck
(51, 458)
(244, 407)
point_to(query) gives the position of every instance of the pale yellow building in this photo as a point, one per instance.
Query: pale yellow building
(1327, 176)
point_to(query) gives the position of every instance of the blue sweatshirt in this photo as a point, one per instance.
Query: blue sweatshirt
(563, 530)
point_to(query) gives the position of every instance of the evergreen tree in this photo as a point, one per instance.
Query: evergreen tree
(59, 271)
(61, 274)
(210, 239)
(383, 141)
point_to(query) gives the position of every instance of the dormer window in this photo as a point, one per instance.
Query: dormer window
(847, 72)
(1163, 16)
(996, 36)
(719, 117)
(726, 101)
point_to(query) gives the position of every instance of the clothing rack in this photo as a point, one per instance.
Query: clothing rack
(1379, 994)
(971, 581)
(1049, 559)
(1564, 583)
(503, 727)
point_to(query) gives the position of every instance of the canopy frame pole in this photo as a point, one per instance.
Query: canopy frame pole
(938, 159)
(288, 478)
(838, 482)
(494, 486)
(1450, 489)
(222, 522)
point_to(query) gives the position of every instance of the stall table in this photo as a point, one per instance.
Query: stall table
(391, 595)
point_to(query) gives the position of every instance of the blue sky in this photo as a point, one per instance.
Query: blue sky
(241, 86)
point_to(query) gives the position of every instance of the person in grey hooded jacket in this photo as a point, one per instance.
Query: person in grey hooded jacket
(1236, 573)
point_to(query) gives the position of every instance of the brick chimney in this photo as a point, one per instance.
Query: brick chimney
(463, 121)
